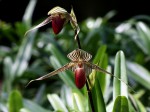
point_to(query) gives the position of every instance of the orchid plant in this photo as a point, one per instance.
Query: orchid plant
(79, 64)
(102, 95)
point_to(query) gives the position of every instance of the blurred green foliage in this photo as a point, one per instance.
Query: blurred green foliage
(25, 58)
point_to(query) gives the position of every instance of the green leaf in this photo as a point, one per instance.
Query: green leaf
(15, 102)
(7, 77)
(140, 106)
(109, 15)
(97, 95)
(33, 107)
(20, 28)
(142, 17)
(4, 51)
(27, 17)
(39, 94)
(144, 32)
(23, 56)
(139, 35)
(134, 35)
(56, 103)
(24, 110)
(120, 88)
(66, 95)
(121, 104)
(109, 107)
(57, 53)
(100, 54)
(92, 35)
(133, 106)
(102, 60)
(79, 102)
(98, 100)
(3, 108)
(139, 73)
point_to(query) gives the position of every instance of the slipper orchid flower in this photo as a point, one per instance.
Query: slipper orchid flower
(59, 17)
(81, 67)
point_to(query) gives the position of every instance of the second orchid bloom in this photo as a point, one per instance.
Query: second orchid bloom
(59, 17)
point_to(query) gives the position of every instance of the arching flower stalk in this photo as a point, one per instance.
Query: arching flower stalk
(59, 17)
(81, 67)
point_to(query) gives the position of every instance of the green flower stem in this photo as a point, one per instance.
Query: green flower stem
(87, 86)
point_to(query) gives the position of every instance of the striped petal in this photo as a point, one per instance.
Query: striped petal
(79, 55)
(46, 21)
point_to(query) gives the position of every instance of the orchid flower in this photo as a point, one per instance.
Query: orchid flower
(59, 17)
(81, 67)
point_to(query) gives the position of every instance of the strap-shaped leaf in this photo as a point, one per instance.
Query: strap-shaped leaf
(15, 101)
(121, 104)
(120, 72)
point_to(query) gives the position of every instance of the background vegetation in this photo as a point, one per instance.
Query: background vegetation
(25, 58)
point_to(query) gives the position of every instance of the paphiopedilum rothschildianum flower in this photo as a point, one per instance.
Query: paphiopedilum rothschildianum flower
(59, 17)
(81, 67)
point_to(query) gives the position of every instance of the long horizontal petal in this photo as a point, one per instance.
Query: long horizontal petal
(97, 68)
(46, 21)
(65, 67)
